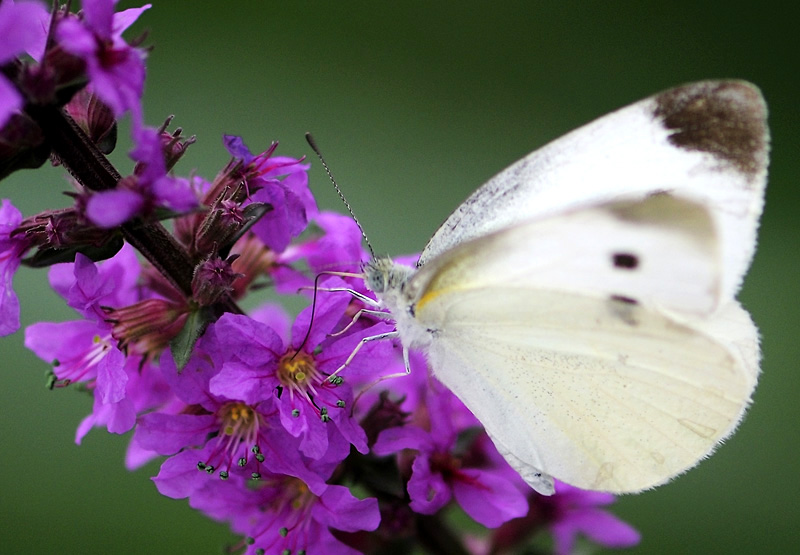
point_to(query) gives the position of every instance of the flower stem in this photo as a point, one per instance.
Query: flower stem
(91, 168)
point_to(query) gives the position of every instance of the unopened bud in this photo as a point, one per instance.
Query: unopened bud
(212, 279)
(94, 118)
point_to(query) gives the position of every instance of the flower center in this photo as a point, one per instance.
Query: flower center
(297, 372)
(239, 421)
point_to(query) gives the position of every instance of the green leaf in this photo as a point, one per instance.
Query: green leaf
(182, 344)
(45, 257)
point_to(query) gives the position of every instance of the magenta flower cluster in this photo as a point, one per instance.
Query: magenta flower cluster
(253, 423)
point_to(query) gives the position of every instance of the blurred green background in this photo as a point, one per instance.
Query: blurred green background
(414, 105)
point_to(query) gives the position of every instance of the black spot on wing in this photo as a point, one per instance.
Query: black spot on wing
(623, 299)
(625, 261)
(724, 118)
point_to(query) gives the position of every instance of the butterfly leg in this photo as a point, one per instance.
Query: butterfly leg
(377, 313)
(360, 296)
(379, 337)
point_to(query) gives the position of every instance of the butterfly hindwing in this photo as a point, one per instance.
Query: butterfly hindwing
(594, 346)
(601, 395)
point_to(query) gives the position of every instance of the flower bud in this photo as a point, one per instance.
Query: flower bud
(95, 118)
(212, 279)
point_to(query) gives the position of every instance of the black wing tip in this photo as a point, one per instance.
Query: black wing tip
(727, 119)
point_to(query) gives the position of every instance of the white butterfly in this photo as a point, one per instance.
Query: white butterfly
(581, 303)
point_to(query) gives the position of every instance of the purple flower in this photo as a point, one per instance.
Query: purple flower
(568, 513)
(116, 69)
(280, 181)
(217, 434)
(149, 187)
(23, 28)
(579, 512)
(281, 515)
(437, 475)
(84, 351)
(339, 246)
(311, 407)
(12, 248)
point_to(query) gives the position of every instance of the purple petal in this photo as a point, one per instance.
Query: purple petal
(89, 290)
(237, 148)
(293, 416)
(111, 377)
(350, 429)
(167, 434)
(10, 100)
(121, 85)
(329, 311)
(250, 341)
(179, 476)
(576, 497)
(340, 245)
(374, 359)
(339, 509)
(109, 209)
(275, 317)
(149, 152)
(98, 16)
(23, 26)
(314, 439)
(428, 491)
(282, 457)
(489, 499)
(119, 417)
(75, 38)
(441, 405)
(243, 382)
(296, 181)
(276, 227)
(9, 310)
(398, 438)
(84, 428)
(599, 526)
(60, 341)
(11, 250)
(61, 278)
(126, 18)
(191, 384)
(174, 193)
(136, 457)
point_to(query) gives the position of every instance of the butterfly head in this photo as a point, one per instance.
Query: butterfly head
(382, 274)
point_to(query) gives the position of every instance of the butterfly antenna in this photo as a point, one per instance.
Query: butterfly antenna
(313, 146)
(310, 320)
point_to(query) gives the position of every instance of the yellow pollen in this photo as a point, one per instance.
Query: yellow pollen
(299, 492)
(296, 369)
(236, 417)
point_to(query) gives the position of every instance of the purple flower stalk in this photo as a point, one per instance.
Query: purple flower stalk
(261, 419)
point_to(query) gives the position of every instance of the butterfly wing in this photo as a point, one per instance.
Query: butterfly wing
(705, 141)
(604, 375)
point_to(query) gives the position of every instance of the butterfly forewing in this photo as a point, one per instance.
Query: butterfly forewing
(705, 141)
